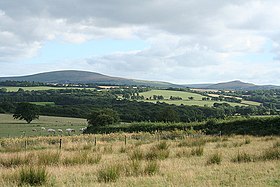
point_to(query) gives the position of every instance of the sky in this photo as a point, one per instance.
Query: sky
(179, 41)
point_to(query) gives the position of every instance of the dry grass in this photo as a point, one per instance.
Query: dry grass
(200, 161)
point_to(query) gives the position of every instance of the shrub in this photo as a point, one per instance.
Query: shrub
(33, 176)
(215, 158)
(108, 174)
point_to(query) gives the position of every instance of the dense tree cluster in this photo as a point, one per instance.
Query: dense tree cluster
(82, 102)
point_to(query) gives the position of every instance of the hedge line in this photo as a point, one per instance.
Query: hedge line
(262, 126)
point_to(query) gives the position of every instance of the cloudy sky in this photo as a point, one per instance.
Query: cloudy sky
(180, 41)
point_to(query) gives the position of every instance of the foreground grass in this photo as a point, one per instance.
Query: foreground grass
(143, 161)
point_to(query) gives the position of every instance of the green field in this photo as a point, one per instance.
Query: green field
(14, 128)
(251, 103)
(185, 96)
(42, 103)
(37, 88)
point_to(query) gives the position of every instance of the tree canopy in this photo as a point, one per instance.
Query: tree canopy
(103, 117)
(26, 111)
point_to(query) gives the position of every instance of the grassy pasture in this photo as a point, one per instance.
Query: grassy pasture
(185, 98)
(15, 128)
(143, 161)
(37, 88)
(251, 103)
(42, 103)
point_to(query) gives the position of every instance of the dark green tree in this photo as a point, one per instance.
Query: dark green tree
(26, 111)
(169, 115)
(103, 117)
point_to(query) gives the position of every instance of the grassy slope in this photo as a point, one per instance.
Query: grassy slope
(12, 127)
(184, 95)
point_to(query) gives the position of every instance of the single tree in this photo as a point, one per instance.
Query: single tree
(26, 111)
(103, 117)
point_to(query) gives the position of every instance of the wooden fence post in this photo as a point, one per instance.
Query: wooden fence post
(60, 143)
(25, 144)
(95, 141)
(125, 140)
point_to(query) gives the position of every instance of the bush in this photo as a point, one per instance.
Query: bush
(215, 158)
(103, 117)
(108, 174)
(33, 176)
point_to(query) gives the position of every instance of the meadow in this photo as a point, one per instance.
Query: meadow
(15, 128)
(197, 98)
(140, 159)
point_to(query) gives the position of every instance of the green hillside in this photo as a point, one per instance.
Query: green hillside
(73, 76)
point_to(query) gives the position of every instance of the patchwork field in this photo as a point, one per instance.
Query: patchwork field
(197, 98)
(144, 159)
(15, 128)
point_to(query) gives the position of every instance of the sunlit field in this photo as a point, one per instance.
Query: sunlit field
(197, 98)
(142, 159)
(10, 127)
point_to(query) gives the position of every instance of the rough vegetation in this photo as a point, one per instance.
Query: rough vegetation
(145, 159)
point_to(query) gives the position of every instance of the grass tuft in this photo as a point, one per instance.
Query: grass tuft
(33, 176)
(242, 157)
(198, 151)
(271, 154)
(215, 158)
(48, 158)
(137, 154)
(151, 168)
(108, 174)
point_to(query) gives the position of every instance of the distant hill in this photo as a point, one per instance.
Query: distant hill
(73, 76)
(233, 85)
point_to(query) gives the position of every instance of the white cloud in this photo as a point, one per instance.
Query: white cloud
(191, 41)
